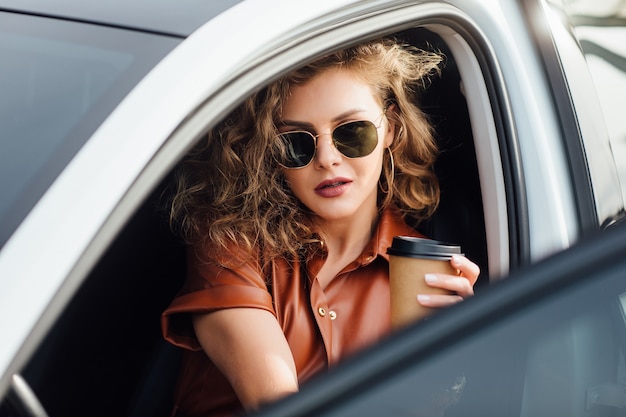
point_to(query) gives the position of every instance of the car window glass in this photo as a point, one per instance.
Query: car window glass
(601, 29)
(563, 356)
(59, 80)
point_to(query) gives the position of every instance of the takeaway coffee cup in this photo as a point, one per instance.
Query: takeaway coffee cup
(410, 258)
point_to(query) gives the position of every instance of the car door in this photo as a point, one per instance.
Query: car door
(549, 340)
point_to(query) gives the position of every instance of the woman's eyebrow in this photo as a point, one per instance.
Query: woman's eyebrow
(294, 123)
(338, 118)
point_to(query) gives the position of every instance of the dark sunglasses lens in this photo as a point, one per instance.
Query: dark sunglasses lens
(356, 139)
(299, 149)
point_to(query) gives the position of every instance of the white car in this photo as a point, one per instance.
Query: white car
(99, 100)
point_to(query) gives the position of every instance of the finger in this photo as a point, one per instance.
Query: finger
(438, 300)
(460, 285)
(466, 267)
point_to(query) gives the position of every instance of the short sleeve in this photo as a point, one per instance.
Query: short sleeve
(211, 287)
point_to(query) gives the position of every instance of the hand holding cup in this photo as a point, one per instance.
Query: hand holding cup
(435, 272)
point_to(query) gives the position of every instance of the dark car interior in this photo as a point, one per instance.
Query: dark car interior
(105, 356)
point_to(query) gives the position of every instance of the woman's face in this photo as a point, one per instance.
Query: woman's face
(335, 187)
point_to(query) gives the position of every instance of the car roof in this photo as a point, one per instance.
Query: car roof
(179, 18)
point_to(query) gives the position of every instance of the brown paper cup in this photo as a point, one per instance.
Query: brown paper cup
(409, 260)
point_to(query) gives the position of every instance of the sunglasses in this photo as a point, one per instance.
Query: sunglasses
(353, 139)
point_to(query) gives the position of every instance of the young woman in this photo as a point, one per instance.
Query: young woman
(289, 206)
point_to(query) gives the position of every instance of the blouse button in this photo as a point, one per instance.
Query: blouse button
(332, 315)
(321, 311)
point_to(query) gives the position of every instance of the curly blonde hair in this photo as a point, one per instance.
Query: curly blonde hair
(230, 192)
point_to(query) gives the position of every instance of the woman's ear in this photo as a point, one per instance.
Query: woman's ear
(393, 124)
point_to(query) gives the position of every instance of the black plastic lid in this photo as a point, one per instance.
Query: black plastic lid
(415, 247)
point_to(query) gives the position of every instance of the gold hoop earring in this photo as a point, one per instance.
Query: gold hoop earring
(391, 176)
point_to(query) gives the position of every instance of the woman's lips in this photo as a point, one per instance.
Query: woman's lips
(332, 188)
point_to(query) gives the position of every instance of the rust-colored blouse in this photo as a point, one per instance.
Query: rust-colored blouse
(322, 326)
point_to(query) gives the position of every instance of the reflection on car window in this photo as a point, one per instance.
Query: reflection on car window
(601, 29)
(58, 80)
(48, 88)
(562, 357)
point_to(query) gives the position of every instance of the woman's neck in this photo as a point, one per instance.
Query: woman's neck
(344, 241)
(348, 236)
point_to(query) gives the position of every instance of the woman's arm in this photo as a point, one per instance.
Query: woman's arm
(250, 349)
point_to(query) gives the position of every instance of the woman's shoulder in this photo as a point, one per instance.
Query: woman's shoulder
(393, 223)
(207, 259)
(208, 254)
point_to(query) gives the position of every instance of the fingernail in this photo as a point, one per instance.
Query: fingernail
(430, 278)
(456, 259)
(423, 297)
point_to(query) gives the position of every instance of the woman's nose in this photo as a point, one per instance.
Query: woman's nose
(326, 154)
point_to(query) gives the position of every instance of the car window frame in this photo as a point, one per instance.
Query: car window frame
(583, 129)
(289, 51)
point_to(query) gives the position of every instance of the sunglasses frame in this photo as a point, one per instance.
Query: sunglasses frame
(334, 141)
